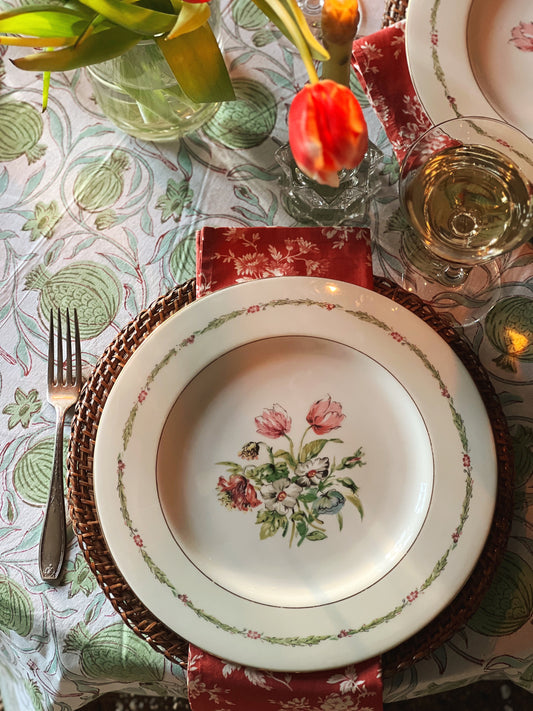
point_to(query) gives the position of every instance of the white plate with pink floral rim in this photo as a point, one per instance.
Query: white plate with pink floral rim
(473, 58)
(295, 473)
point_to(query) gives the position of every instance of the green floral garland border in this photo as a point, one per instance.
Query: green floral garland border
(439, 73)
(310, 640)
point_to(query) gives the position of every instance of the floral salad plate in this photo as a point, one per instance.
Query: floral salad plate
(295, 473)
(472, 58)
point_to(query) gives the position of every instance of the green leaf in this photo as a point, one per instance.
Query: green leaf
(308, 496)
(283, 454)
(59, 22)
(198, 65)
(288, 17)
(95, 48)
(270, 522)
(190, 18)
(302, 528)
(356, 501)
(133, 17)
(348, 483)
(316, 536)
(312, 449)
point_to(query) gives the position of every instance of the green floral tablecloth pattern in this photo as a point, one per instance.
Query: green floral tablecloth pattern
(92, 218)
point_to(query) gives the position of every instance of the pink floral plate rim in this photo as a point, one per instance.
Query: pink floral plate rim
(452, 64)
(131, 519)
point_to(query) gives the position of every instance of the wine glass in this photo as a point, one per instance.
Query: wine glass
(466, 188)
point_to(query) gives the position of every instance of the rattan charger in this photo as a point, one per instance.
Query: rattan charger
(84, 517)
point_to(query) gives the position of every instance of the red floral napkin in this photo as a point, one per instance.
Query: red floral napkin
(225, 256)
(380, 63)
(229, 255)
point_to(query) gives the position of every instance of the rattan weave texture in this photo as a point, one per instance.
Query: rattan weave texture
(83, 513)
(395, 11)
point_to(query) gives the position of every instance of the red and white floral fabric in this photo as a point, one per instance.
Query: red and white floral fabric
(229, 255)
(215, 685)
(380, 63)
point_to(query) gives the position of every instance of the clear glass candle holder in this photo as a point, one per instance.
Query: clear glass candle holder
(310, 202)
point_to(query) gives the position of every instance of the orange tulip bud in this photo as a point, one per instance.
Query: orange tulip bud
(327, 131)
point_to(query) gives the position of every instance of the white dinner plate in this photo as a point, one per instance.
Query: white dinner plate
(472, 58)
(295, 473)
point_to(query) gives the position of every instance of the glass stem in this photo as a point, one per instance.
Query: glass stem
(455, 275)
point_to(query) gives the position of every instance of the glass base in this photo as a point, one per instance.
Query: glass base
(465, 293)
(312, 203)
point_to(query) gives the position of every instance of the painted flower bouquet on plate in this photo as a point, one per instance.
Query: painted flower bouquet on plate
(293, 489)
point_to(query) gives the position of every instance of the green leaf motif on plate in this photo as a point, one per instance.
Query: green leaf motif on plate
(298, 520)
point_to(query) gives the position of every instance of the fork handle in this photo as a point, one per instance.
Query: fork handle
(54, 534)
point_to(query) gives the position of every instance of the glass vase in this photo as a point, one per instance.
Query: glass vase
(313, 203)
(138, 93)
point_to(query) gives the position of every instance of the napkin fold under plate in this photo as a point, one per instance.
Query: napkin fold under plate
(226, 256)
(380, 63)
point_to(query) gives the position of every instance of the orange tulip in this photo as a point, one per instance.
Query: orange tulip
(327, 131)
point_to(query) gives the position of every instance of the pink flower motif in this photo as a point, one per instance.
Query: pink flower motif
(253, 635)
(328, 307)
(412, 596)
(187, 341)
(183, 598)
(466, 460)
(142, 396)
(138, 540)
(397, 336)
(522, 36)
(253, 309)
(121, 466)
(503, 143)
(455, 536)
(343, 633)
(434, 39)
(274, 422)
(237, 492)
(444, 392)
(325, 415)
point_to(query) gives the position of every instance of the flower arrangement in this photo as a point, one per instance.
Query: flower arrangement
(327, 131)
(295, 488)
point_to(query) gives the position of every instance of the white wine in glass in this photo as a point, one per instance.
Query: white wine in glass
(466, 189)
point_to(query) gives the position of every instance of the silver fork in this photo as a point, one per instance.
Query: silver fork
(62, 394)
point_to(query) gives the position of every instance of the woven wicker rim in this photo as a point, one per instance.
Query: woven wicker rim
(82, 506)
(395, 11)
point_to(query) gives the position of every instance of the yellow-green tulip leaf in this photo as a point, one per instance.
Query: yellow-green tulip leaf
(43, 23)
(288, 18)
(96, 48)
(46, 89)
(33, 41)
(190, 18)
(198, 65)
(133, 17)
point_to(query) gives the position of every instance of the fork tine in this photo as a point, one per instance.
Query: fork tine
(78, 348)
(59, 377)
(69, 352)
(51, 349)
